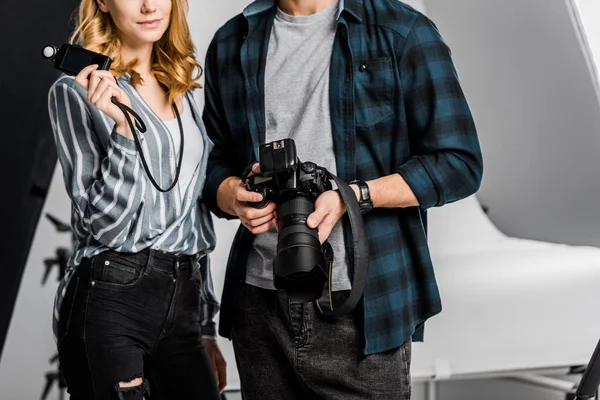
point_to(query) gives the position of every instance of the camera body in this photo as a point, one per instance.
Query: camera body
(302, 265)
(283, 175)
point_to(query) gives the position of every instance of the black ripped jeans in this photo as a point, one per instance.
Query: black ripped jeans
(288, 351)
(127, 316)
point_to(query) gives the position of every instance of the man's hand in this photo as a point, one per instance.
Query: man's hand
(233, 198)
(217, 361)
(257, 220)
(329, 208)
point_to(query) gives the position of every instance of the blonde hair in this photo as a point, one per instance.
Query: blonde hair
(173, 57)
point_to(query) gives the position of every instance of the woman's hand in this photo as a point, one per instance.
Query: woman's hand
(102, 87)
(218, 362)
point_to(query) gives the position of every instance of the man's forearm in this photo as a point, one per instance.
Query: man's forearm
(225, 194)
(390, 191)
(387, 192)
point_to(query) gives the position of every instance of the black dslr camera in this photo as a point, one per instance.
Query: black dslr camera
(302, 264)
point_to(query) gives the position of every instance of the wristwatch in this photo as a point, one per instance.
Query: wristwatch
(365, 203)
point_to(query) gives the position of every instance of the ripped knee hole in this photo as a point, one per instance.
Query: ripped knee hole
(132, 383)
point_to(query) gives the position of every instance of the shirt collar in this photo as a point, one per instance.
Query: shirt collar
(260, 6)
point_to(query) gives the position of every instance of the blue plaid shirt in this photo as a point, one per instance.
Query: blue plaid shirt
(396, 107)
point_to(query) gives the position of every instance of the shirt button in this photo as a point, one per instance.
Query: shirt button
(362, 68)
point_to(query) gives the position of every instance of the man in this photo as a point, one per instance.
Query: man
(368, 90)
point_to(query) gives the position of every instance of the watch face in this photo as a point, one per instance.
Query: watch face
(365, 203)
(364, 192)
(365, 195)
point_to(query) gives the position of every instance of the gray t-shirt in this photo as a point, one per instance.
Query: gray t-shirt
(297, 107)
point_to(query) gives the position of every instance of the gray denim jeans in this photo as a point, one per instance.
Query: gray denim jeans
(285, 350)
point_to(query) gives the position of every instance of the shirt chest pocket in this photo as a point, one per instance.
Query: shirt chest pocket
(373, 91)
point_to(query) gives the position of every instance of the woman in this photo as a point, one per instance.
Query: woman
(135, 310)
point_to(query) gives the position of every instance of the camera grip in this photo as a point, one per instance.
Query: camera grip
(260, 204)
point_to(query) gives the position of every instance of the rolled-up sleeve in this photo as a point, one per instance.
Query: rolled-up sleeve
(447, 162)
(209, 302)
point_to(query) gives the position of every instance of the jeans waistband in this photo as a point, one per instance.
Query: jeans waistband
(159, 260)
(169, 257)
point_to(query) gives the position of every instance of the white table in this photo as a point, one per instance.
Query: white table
(510, 306)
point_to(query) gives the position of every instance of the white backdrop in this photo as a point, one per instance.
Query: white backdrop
(589, 12)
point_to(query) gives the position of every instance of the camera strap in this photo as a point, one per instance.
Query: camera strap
(142, 128)
(360, 257)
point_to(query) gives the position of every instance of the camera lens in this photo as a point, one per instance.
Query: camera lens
(299, 266)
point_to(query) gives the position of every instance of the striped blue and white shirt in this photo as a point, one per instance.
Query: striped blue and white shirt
(114, 204)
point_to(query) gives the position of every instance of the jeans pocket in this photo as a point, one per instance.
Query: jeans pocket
(115, 271)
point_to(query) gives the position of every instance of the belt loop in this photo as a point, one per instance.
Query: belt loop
(176, 268)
